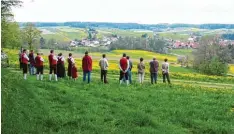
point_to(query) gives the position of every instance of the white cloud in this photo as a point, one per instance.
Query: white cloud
(141, 11)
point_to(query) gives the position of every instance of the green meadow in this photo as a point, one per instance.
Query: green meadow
(31, 106)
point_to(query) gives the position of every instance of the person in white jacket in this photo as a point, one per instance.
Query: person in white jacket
(165, 71)
(103, 63)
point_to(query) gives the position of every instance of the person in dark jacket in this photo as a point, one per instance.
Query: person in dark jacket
(87, 66)
(70, 61)
(60, 66)
(31, 63)
(154, 70)
(129, 70)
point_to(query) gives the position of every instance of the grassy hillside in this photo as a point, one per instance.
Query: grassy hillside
(68, 33)
(63, 33)
(74, 107)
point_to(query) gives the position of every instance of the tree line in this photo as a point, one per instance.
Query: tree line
(130, 25)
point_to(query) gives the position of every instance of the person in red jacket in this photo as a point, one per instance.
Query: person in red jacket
(53, 65)
(39, 65)
(24, 61)
(70, 61)
(123, 66)
(86, 66)
(74, 72)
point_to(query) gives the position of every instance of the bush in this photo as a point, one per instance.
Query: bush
(213, 67)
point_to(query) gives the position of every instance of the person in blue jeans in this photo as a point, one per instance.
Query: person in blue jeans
(85, 73)
(87, 66)
(31, 63)
(154, 70)
(129, 70)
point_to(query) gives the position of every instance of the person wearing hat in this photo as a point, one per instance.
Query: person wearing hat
(39, 65)
(87, 66)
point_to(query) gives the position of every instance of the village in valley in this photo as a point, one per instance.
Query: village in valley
(189, 40)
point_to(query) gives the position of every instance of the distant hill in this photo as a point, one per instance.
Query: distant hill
(130, 25)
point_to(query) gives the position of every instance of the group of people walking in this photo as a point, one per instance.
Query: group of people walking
(57, 67)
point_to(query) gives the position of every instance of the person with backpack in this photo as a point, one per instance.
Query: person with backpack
(165, 71)
(141, 71)
(103, 64)
(87, 66)
(70, 61)
(24, 61)
(60, 66)
(39, 65)
(154, 70)
(53, 65)
(123, 66)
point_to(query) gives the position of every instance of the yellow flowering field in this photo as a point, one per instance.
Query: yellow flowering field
(231, 67)
(145, 54)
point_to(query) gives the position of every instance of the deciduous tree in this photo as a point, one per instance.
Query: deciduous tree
(31, 34)
(210, 57)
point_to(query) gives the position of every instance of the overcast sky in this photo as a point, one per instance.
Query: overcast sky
(139, 11)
